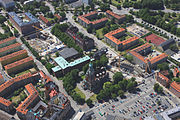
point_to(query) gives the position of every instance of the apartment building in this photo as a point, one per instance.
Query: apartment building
(25, 26)
(19, 65)
(31, 100)
(13, 57)
(7, 42)
(46, 21)
(118, 18)
(139, 53)
(86, 20)
(6, 105)
(9, 49)
(11, 85)
(175, 88)
(58, 17)
(112, 39)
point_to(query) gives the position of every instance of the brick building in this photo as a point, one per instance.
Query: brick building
(118, 18)
(163, 80)
(86, 20)
(112, 39)
(7, 42)
(19, 65)
(84, 44)
(9, 49)
(58, 17)
(175, 88)
(13, 57)
(24, 26)
(31, 100)
(46, 21)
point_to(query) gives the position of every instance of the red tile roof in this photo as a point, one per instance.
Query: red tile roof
(176, 86)
(9, 47)
(90, 13)
(156, 40)
(176, 71)
(142, 47)
(45, 77)
(12, 55)
(33, 94)
(115, 15)
(112, 38)
(163, 77)
(58, 16)
(17, 63)
(158, 58)
(7, 40)
(43, 19)
(1, 77)
(84, 19)
(53, 93)
(5, 102)
(14, 80)
(100, 20)
(138, 56)
(130, 40)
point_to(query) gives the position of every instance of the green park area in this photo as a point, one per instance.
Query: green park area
(78, 91)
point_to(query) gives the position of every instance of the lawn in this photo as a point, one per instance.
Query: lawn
(24, 72)
(93, 97)
(99, 33)
(78, 91)
(114, 2)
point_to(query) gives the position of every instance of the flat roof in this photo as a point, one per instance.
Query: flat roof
(68, 52)
(20, 22)
(63, 64)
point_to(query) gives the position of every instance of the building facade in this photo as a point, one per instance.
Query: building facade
(118, 18)
(7, 42)
(46, 21)
(163, 80)
(24, 27)
(9, 49)
(13, 57)
(19, 65)
(175, 88)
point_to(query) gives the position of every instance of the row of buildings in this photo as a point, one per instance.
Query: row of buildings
(13, 58)
(33, 107)
(173, 86)
(112, 39)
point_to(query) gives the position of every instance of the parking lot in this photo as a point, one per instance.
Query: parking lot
(135, 106)
(137, 30)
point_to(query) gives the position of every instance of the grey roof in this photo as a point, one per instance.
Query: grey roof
(169, 41)
(169, 52)
(7, 1)
(111, 117)
(68, 52)
(19, 20)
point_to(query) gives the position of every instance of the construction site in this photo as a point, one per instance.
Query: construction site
(44, 42)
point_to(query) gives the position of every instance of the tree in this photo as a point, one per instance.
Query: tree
(63, 15)
(160, 89)
(129, 58)
(89, 102)
(173, 47)
(85, 68)
(118, 7)
(113, 95)
(89, 29)
(57, 54)
(118, 76)
(107, 85)
(49, 67)
(130, 86)
(2, 19)
(121, 93)
(163, 66)
(156, 86)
